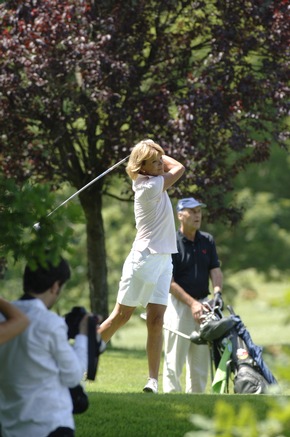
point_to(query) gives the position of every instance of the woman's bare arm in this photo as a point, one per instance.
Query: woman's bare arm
(173, 171)
(15, 321)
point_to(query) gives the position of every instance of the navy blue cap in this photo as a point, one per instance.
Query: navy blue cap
(189, 202)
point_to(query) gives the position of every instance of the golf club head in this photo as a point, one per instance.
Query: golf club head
(196, 338)
(36, 226)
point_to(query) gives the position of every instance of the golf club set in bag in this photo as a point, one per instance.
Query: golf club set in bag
(232, 352)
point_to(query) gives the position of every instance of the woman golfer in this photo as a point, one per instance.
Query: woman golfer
(147, 270)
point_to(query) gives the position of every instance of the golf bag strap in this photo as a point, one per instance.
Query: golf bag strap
(92, 349)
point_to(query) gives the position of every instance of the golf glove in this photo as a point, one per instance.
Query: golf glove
(218, 300)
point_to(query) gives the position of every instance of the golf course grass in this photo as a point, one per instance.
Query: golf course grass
(118, 407)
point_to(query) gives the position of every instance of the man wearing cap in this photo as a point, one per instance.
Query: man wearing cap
(194, 266)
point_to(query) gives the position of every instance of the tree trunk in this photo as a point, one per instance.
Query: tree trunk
(3, 267)
(91, 202)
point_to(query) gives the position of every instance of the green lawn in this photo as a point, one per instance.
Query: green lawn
(118, 407)
(132, 415)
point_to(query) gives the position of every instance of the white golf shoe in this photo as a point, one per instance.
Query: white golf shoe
(151, 386)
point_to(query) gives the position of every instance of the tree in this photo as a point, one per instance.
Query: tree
(82, 81)
(261, 241)
(19, 208)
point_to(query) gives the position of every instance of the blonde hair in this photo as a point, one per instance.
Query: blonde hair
(142, 151)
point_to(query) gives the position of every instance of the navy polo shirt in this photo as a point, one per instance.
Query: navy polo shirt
(193, 262)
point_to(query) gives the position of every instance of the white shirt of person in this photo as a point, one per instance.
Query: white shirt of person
(154, 216)
(37, 368)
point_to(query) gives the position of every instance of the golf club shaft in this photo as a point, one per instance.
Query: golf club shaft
(175, 331)
(87, 185)
(181, 334)
(168, 328)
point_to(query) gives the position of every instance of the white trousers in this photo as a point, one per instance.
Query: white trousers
(179, 351)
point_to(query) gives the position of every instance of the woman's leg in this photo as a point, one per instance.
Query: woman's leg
(155, 313)
(119, 316)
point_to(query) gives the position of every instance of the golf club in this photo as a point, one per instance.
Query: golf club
(174, 331)
(36, 226)
(190, 338)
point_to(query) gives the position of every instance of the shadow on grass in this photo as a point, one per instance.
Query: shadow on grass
(131, 414)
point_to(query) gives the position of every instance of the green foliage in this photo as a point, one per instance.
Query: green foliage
(287, 304)
(280, 414)
(207, 80)
(261, 240)
(23, 206)
(230, 421)
(271, 176)
(120, 232)
(282, 368)
(20, 208)
(265, 220)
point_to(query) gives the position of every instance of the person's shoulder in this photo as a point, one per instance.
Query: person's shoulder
(49, 319)
(55, 318)
(52, 325)
(146, 183)
(206, 235)
(181, 241)
(149, 180)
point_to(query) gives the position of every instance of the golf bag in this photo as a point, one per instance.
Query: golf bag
(233, 352)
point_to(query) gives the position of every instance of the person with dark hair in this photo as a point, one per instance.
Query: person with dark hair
(15, 321)
(37, 281)
(39, 365)
(194, 266)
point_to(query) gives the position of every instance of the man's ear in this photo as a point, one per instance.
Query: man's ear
(179, 215)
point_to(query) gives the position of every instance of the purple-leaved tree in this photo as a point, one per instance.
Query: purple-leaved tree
(82, 81)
